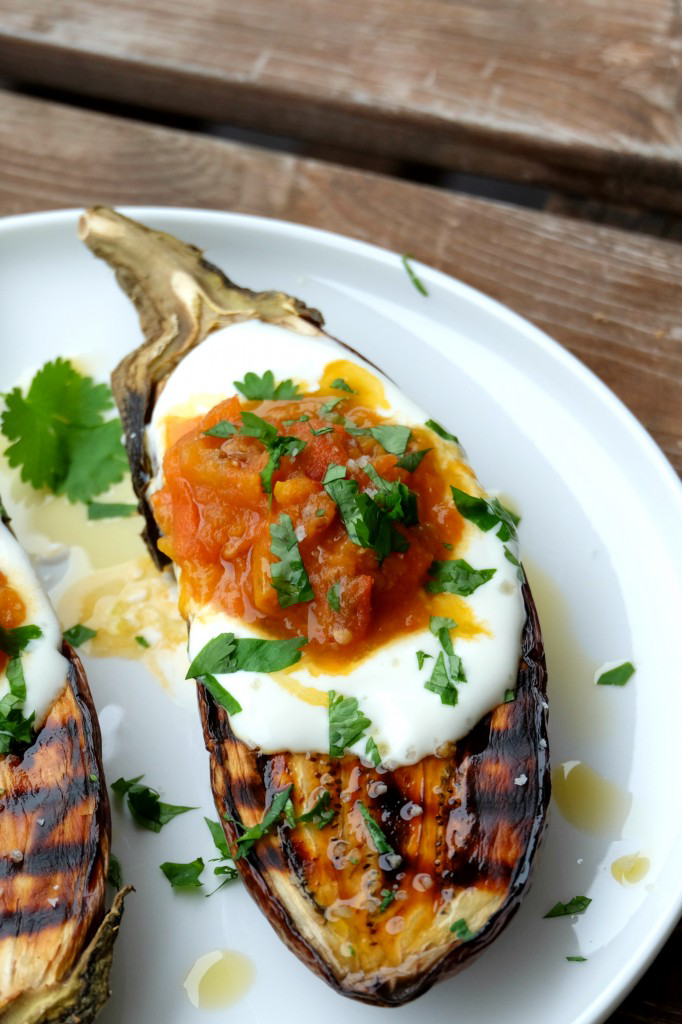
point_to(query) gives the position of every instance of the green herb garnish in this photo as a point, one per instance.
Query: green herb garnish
(347, 724)
(78, 634)
(514, 561)
(13, 641)
(255, 388)
(142, 641)
(395, 499)
(225, 866)
(577, 959)
(617, 676)
(578, 905)
(321, 430)
(421, 658)
(221, 695)
(486, 514)
(225, 653)
(333, 598)
(341, 385)
(448, 668)
(378, 838)
(114, 873)
(418, 284)
(392, 439)
(289, 577)
(328, 407)
(509, 696)
(367, 523)
(250, 836)
(183, 876)
(111, 510)
(411, 460)
(60, 437)
(456, 577)
(462, 931)
(372, 752)
(441, 431)
(223, 429)
(144, 804)
(321, 814)
(387, 897)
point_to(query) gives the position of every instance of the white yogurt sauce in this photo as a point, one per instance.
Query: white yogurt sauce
(43, 665)
(408, 721)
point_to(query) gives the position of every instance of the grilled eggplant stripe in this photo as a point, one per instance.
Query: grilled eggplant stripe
(470, 852)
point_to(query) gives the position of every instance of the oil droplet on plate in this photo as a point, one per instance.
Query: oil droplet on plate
(630, 869)
(219, 979)
(589, 801)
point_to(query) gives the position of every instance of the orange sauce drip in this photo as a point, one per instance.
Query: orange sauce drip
(215, 517)
(12, 611)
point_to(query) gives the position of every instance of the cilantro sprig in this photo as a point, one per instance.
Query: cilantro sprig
(456, 577)
(59, 435)
(256, 388)
(289, 576)
(347, 724)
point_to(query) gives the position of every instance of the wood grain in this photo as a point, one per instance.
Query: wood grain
(612, 298)
(581, 95)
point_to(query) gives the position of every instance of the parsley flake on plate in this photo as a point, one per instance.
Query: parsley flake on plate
(577, 905)
(616, 676)
(183, 876)
(144, 804)
(59, 436)
(115, 874)
(416, 281)
(289, 577)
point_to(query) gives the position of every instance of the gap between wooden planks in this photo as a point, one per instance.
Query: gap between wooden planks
(612, 298)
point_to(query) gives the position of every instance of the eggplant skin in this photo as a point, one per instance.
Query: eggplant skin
(56, 943)
(376, 931)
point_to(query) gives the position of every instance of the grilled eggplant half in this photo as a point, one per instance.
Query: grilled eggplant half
(56, 942)
(405, 873)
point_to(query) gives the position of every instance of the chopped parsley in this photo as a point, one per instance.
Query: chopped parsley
(378, 838)
(486, 514)
(111, 510)
(78, 634)
(321, 430)
(144, 804)
(347, 724)
(577, 959)
(183, 876)
(114, 873)
(416, 281)
(367, 523)
(289, 577)
(372, 752)
(387, 897)
(341, 385)
(250, 836)
(225, 653)
(255, 388)
(276, 444)
(411, 460)
(224, 429)
(421, 658)
(514, 561)
(333, 598)
(393, 439)
(462, 931)
(395, 499)
(441, 431)
(448, 668)
(13, 641)
(16, 731)
(321, 814)
(509, 696)
(456, 577)
(60, 438)
(220, 694)
(578, 905)
(328, 407)
(617, 676)
(225, 866)
(142, 641)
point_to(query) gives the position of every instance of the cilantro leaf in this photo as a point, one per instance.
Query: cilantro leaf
(111, 510)
(416, 281)
(221, 695)
(13, 641)
(411, 460)
(327, 407)
(440, 683)
(462, 931)
(222, 429)
(16, 732)
(114, 873)
(144, 804)
(617, 676)
(321, 814)
(421, 658)
(396, 499)
(368, 525)
(274, 812)
(60, 439)
(218, 836)
(456, 577)
(392, 438)
(347, 724)
(78, 634)
(341, 385)
(226, 653)
(183, 876)
(333, 598)
(441, 431)
(577, 905)
(289, 577)
(372, 751)
(378, 838)
(255, 388)
(486, 514)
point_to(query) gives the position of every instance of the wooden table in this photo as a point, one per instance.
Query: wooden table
(612, 298)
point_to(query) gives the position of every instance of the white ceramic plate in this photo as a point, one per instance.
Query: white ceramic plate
(603, 548)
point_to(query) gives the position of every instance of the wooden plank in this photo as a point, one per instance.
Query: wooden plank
(582, 95)
(613, 299)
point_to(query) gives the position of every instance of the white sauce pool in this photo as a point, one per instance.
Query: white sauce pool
(408, 721)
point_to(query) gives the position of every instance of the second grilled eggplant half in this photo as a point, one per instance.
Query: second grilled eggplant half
(378, 928)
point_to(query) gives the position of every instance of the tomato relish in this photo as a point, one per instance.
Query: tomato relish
(12, 611)
(215, 517)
